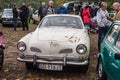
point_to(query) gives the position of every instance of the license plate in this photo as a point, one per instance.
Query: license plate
(50, 67)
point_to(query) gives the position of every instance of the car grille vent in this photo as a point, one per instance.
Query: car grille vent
(66, 51)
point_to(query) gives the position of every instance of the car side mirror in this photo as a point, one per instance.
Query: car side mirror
(117, 56)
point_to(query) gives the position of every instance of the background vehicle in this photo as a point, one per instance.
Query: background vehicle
(109, 57)
(1, 50)
(35, 17)
(7, 17)
(79, 5)
(70, 5)
(59, 41)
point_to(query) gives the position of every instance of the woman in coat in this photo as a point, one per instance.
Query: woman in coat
(86, 18)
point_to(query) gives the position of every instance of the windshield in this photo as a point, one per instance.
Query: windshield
(8, 12)
(61, 21)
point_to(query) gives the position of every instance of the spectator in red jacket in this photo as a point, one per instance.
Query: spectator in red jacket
(86, 18)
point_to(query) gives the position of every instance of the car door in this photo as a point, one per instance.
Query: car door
(110, 50)
(115, 73)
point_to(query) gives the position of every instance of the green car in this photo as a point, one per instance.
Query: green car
(109, 58)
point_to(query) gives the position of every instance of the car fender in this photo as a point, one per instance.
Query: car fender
(101, 57)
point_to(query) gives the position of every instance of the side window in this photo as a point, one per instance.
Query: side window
(118, 42)
(113, 34)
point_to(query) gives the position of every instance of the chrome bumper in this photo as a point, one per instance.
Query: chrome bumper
(64, 62)
(11, 22)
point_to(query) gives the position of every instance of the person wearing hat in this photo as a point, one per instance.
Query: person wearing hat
(15, 16)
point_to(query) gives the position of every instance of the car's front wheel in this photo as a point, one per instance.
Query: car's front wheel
(3, 24)
(30, 66)
(101, 72)
(1, 58)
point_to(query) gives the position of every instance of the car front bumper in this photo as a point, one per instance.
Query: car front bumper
(61, 62)
(10, 22)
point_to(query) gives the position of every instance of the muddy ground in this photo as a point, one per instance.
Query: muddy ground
(14, 70)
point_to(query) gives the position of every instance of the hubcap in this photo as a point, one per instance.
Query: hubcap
(100, 69)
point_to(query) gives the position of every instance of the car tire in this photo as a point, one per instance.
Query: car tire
(30, 66)
(3, 24)
(101, 72)
(1, 58)
(0, 21)
(85, 68)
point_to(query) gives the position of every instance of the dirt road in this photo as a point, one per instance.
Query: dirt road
(14, 70)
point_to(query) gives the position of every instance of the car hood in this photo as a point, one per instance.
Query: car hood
(57, 34)
(53, 41)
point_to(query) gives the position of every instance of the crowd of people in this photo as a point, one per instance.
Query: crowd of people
(103, 19)
(23, 13)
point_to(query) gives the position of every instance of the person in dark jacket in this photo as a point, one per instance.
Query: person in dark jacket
(75, 11)
(62, 10)
(15, 16)
(42, 12)
(24, 13)
(93, 11)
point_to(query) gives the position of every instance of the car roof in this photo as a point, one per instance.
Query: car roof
(67, 15)
(7, 9)
(70, 2)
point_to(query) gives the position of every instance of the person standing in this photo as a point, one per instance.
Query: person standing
(15, 16)
(42, 12)
(86, 17)
(30, 13)
(116, 7)
(93, 11)
(62, 9)
(50, 9)
(102, 23)
(75, 11)
(24, 13)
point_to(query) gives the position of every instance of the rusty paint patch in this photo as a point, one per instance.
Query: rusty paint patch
(73, 39)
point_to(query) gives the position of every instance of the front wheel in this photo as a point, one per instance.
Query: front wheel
(3, 24)
(1, 58)
(84, 68)
(101, 72)
(30, 66)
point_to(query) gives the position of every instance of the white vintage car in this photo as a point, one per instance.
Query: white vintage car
(58, 41)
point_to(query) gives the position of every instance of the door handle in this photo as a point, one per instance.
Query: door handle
(110, 53)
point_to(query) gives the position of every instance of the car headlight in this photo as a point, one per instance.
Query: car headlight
(81, 49)
(21, 46)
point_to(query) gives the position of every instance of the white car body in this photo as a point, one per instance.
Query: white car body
(56, 45)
